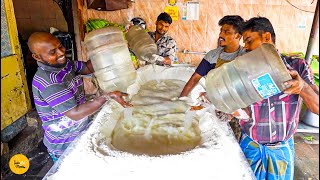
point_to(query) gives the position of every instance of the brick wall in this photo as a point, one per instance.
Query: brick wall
(38, 15)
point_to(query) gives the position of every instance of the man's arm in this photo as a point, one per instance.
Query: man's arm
(88, 68)
(171, 51)
(81, 111)
(309, 93)
(195, 78)
(203, 68)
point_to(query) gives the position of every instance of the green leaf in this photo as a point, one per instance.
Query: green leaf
(315, 66)
(308, 138)
(315, 70)
(316, 81)
(295, 54)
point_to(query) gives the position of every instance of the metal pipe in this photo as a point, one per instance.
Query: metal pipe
(192, 52)
(313, 34)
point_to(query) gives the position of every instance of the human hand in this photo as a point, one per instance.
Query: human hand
(118, 96)
(154, 59)
(296, 84)
(166, 61)
(128, 26)
(162, 60)
(203, 97)
(223, 116)
(196, 108)
(240, 114)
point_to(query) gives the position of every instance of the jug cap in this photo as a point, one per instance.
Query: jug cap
(138, 21)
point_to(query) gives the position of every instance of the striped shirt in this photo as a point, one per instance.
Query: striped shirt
(167, 46)
(275, 119)
(56, 91)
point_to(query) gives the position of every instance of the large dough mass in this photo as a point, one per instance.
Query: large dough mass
(156, 126)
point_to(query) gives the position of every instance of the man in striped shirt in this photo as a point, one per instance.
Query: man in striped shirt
(59, 93)
(267, 135)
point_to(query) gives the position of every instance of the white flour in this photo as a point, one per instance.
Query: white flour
(218, 157)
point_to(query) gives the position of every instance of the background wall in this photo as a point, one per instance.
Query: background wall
(38, 15)
(292, 26)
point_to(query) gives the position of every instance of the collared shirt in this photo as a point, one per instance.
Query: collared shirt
(56, 91)
(167, 46)
(276, 118)
(216, 58)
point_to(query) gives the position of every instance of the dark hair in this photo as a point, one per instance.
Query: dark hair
(164, 17)
(261, 25)
(233, 20)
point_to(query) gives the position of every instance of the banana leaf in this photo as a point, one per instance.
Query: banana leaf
(315, 68)
(316, 79)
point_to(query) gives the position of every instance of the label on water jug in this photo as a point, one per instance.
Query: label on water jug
(265, 86)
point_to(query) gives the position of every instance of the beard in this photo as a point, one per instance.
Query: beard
(157, 30)
(57, 65)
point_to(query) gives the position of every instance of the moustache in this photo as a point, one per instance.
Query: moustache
(221, 39)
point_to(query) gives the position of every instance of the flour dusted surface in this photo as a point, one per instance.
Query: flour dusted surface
(218, 156)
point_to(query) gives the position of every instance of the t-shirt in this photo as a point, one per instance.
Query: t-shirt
(215, 58)
(56, 91)
(167, 46)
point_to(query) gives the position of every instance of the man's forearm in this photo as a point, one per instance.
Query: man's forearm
(167, 60)
(187, 89)
(89, 68)
(310, 96)
(83, 110)
(89, 65)
(195, 78)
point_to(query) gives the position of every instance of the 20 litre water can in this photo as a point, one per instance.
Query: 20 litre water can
(110, 57)
(249, 78)
(141, 44)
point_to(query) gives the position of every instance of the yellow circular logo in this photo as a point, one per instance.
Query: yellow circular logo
(19, 164)
(172, 2)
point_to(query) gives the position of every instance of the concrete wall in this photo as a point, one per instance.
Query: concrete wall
(292, 26)
(38, 15)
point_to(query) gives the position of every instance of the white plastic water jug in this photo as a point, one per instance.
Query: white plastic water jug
(142, 45)
(110, 57)
(249, 78)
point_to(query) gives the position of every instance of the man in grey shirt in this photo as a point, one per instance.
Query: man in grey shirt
(229, 48)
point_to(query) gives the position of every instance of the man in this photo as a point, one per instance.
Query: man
(267, 137)
(59, 93)
(229, 48)
(167, 46)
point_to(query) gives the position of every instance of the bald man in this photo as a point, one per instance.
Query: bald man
(59, 93)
